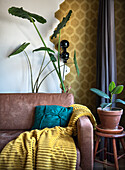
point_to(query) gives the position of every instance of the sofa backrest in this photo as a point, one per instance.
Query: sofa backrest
(17, 109)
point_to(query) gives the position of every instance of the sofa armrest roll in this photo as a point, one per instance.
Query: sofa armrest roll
(85, 142)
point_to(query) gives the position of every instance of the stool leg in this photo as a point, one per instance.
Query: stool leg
(123, 143)
(115, 154)
(96, 146)
(105, 150)
(105, 153)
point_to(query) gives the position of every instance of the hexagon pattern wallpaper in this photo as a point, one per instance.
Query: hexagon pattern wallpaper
(81, 32)
(120, 48)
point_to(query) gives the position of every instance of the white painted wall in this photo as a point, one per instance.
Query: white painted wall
(14, 72)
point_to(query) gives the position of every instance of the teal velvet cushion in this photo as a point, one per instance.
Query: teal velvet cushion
(51, 116)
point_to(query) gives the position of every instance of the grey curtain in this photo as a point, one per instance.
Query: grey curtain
(106, 50)
(106, 47)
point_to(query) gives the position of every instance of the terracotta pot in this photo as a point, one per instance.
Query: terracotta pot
(109, 118)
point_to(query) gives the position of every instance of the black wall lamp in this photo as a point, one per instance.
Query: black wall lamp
(64, 55)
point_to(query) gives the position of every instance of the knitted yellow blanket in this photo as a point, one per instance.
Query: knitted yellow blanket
(50, 148)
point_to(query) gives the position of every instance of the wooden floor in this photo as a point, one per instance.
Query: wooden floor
(98, 166)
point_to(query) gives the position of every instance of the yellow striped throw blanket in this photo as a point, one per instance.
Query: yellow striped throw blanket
(50, 148)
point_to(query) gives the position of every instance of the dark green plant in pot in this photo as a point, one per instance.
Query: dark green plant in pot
(19, 12)
(113, 89)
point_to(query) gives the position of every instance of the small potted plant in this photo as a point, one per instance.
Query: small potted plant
(109, 116)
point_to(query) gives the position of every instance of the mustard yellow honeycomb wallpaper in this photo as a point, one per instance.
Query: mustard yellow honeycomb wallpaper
(81, 32)
(120, 48)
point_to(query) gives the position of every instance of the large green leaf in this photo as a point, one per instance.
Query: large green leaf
(120, 101)
(44, 49)
(100, 93)
(75, 62)
(104, 105)
(52, 57)
(118, 89)
(19, 12)
(61, 24)
(19, 49)
(111, 86)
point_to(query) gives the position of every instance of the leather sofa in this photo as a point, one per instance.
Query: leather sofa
(17, 116)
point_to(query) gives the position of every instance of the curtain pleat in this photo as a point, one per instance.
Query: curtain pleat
(106, 54)
(106, 47)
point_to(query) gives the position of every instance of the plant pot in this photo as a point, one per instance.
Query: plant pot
(109, 118)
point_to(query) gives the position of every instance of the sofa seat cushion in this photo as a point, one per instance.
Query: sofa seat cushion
(7, 136)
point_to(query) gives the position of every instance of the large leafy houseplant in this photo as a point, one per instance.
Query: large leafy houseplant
(20, 12)
(109, 116)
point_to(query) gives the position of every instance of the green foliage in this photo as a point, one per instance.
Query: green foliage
(19, 12)
(117, 90)
(112, 86)
(52, 57)
(113, 89)
(75, 62)
(44, 49)
(100, 93)
(61, 24)
(19, 49)
(103, 105)
(120, 101)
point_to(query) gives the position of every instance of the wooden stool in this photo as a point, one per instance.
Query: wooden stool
(114, 137)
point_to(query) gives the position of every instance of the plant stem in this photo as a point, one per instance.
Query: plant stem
(49, 55)
(45, 67)
(30, 71)
(45, 78)
(41, 72)
(38, 32)
(59, 53)
(36, 82)
(111, 101)
(64, 72)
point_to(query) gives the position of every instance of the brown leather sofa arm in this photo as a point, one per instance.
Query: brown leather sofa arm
(85, 142)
